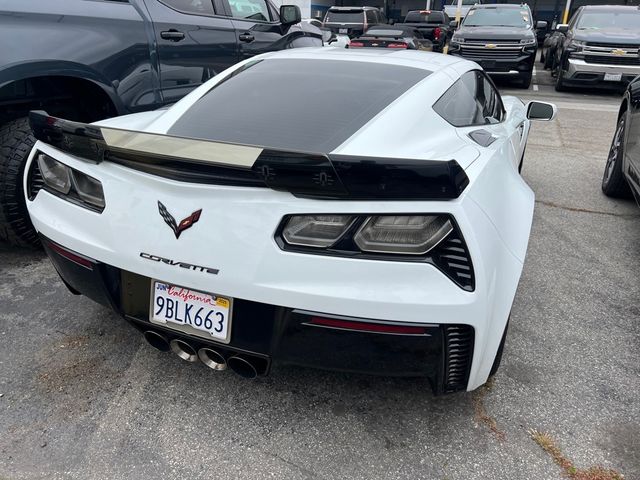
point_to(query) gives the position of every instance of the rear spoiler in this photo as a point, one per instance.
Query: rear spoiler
(315, 175)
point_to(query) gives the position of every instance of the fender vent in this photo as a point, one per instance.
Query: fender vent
(452, 257)
(458, 343)
(35, 181)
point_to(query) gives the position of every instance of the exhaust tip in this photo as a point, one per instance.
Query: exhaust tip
(242, 367)
(212, 359)
(185, 351)
(157, 341)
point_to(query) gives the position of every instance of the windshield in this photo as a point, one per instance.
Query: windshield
(336, 16)
(627, 20)
(267, 103)
(464, 2)
(497, 17)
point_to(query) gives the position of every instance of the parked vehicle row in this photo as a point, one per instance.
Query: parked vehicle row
(91, 60)
(433, 25)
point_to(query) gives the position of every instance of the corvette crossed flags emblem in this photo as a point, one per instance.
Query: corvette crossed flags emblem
(185, 223)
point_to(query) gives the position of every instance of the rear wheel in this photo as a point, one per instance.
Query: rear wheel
(16, 142)
(613, 182)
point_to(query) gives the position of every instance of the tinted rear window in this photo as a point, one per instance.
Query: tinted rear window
(296, 104)
(420, 17)
(355, 16)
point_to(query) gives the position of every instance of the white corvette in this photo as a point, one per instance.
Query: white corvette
(350, 210)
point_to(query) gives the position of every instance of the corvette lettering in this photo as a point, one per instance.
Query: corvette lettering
(176, 263)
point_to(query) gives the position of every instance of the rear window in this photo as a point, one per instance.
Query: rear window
(296, 104)
(423, 17)
(349, 16)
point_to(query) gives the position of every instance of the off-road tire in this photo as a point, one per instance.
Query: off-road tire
(613, 182)
(525, 79)
(16, 142)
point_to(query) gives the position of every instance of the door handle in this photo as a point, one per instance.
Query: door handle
(173, 35)
(246, 37)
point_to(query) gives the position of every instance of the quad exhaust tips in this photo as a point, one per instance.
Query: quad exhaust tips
(247, 366)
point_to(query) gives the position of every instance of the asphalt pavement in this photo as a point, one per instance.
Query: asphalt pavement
(84, 397)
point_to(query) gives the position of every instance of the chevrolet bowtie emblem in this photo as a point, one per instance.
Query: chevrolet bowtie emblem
(490, 45)
(618, 51)
(185, 223)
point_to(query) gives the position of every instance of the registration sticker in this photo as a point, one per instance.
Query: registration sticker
(191, 311)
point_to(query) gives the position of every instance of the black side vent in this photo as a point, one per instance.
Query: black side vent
(458, 344)
(452, 257)
(35, 182)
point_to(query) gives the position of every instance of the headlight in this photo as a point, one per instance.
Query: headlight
(402, 234)
(55, 174)
(457, 39)
(70, 184)
(528, 41)
(316, 230)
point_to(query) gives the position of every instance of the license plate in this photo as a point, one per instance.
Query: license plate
(343, 30)
(191, 311)
(613, 77)
(488, 64)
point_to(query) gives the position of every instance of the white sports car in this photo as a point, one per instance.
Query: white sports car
(349, 210)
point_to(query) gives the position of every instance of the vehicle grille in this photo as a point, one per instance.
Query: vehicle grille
(610, 46)
(452, 257)
(479, 51)
(35, 180)
(612, 60)
(458, 343)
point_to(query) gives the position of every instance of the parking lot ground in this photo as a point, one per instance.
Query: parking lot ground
(84, 397)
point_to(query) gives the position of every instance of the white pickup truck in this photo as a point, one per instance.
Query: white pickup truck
(452, 7)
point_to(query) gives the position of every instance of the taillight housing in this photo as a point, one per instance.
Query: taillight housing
(436, 33)
(397, 45)
(356, 44)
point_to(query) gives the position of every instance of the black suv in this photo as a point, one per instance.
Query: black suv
(352, 21)
(501, 38)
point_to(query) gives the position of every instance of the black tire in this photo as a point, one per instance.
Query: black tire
(613, 182)
(525, 79)
(498, 359)
(16, 142)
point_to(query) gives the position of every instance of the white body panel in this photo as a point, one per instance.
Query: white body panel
(235, 233)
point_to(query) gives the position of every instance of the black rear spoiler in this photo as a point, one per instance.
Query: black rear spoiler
(316, 175)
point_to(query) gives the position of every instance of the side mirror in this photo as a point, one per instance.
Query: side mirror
(453, 24)
(541, 111)
(562, 27)
(290, 14)
(542, 25)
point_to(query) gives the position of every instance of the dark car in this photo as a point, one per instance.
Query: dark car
(89, 60)
(434, 25)
(392, 36)
(622, 172)
(353, 21)
(600, 48)
(501, 38)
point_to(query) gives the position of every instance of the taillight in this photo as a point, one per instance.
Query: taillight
(436, 33)
(356, 44)
(397, 45)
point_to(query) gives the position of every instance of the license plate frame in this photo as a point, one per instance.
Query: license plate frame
(343, 31)
(612, 77)
(199, 300)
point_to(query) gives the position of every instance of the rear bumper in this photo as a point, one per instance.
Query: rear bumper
(580, 72)
(283, 336)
